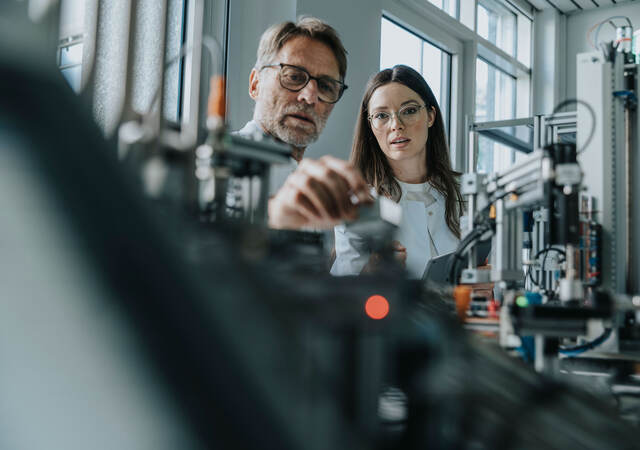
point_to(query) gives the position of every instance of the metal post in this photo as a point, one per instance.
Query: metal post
(471, 199)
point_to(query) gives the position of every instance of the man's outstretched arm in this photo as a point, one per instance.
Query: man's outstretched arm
(319, 194)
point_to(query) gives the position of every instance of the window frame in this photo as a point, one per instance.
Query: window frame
(65, 43)
(445, 74)
(466, 46)
(512, 155)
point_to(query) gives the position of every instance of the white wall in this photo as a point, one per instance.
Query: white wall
(247, 21)
(577, 27)
(361, 38)
(549, 58)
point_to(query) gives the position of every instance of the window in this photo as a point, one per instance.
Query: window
(76, 39)
(448, 6)
(525, 26)
(489, 40)
(71, 42)
(495, 100)
(70, 61)
(495, 93)
(497, 24)
(400, 46)
(502, 86)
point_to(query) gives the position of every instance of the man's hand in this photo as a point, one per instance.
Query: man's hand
(319, 194)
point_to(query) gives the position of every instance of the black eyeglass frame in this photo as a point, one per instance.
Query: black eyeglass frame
(343, 87)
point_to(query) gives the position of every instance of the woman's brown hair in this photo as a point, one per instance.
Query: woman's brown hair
(367, 156)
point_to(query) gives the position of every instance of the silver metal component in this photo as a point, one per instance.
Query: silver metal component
(597, 80)
(471, 197)
(243, 194)
(508, 337)
(568, 174)
(628, 210)
(515, 133)
(378, 220)
(570, 286)
(570, 290)
(472, 276)
(470, 183)
(507, 264)
(624, 35)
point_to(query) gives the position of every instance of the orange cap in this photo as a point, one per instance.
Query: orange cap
(217, 102)
(462, 297)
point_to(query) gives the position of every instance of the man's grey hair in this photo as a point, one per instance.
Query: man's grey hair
(274, 38)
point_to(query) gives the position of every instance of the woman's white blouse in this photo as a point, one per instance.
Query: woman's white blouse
(423, 232)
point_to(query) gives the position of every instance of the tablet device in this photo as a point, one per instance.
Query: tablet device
(437, 268)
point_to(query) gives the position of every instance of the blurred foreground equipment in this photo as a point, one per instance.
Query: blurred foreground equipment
(122, 326)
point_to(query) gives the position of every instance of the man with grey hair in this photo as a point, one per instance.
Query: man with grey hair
(297, 79)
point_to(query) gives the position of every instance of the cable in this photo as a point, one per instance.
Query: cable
(475, 234)
(609, 21)
(578, 349)
(544, 251)
(571, 101)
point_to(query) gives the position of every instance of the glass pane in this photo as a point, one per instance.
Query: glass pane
(497, 25)
(432, 68)
(494, 157)
(73, 76)
(173, 64)
(483, 22)
(524, 40)
(495, 93)
(449, 6)
(71, 55)
(468, 14)
(399, 46)
(495, 100)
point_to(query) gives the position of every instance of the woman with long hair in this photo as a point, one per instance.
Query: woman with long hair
(401, 149)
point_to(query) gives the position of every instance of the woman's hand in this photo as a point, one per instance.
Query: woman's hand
(399, 253)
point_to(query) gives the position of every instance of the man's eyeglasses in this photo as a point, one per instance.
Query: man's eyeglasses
(407, 115)
(294, 78)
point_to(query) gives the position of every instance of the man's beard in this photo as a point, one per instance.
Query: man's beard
(273, 121)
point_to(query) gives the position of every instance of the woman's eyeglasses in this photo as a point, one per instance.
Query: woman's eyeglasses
(407, 115)
(294, 78)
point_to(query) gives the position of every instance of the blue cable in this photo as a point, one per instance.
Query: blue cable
(579, 349)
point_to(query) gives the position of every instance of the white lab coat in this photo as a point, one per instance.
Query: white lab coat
(417, 223)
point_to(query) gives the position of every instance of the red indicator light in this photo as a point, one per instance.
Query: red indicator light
(377, 307)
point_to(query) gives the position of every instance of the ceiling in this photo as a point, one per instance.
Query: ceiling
(571, 6)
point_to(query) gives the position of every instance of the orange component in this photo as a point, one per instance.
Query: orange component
(492, 212)
(377, 307)
(462, 297)
(492, 309)
(217, 104)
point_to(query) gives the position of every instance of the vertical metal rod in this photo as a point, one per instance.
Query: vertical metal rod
(570, 252)
(126, 109)
(627, 197)
(471, 200)
(499, 238)
(157, 125)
